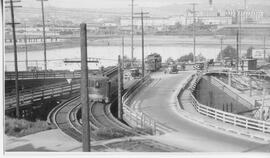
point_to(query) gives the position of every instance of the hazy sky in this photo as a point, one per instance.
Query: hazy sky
(96, 4)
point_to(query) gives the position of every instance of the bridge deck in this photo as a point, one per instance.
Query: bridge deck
(156, 100)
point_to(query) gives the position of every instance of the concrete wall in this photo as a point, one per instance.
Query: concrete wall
(210, 95)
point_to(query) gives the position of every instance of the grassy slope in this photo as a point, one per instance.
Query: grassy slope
(20, 127)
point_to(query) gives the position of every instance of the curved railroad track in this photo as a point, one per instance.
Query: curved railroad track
(65, 118)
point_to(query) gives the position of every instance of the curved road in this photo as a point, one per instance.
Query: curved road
(156, 101)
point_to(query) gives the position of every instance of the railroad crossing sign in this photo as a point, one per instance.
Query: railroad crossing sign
(69, 80)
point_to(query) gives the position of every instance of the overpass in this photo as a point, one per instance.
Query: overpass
(156, 106)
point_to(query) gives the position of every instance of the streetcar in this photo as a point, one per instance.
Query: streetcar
(153, 62)
(102, 87)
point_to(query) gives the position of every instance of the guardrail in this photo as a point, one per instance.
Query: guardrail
(42, 75)
(230, 118)
(139, 119)
(28, 98)
(53, 74)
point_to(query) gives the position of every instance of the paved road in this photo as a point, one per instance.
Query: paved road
(156, 101)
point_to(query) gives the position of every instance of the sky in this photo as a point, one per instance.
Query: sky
(99, 4)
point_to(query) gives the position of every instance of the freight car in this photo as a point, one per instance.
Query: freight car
(153, 62)
(102, 87)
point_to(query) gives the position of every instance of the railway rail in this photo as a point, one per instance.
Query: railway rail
(65, 118)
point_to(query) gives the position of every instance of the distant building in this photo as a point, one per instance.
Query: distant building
(245, 16)
(152, 21)
(207, 20)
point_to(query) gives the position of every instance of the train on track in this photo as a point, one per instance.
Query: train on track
(153, 62)
(102, 87)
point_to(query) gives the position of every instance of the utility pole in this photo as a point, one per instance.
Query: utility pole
(193, 32)
(15, 53)
(123, 52)
(264, 49)
(221, 37)
(84, 90)
(240, 32)
(142, 17)
(123, 65)
(237, 50)
(221, 45)
(132, 31)
(119, 89)
(44, 34)
(26, 51)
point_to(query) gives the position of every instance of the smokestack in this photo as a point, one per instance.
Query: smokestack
(211, 5)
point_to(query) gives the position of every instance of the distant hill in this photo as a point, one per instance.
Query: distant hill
(87, 15)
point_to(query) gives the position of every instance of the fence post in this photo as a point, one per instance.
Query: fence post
(263, 127)
(155, 132)
(141, 120)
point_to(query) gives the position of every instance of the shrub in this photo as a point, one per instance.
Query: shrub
(110, 133)
(21, 127)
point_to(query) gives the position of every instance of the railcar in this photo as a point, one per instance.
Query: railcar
(153, 62)
(102, 88)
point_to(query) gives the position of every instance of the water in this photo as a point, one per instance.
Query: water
(108, 55)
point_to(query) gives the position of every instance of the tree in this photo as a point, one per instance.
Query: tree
(229, 53)
(169, 60)
(200, 57)
(249, 52)
(186, 58)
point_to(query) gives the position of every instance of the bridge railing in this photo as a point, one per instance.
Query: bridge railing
(25, 91)
(236, 120)
(42, 74)
(27, 98)
(139, 119)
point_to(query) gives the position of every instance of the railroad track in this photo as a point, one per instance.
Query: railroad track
(61, 119)
(102, 118)
(65, 118)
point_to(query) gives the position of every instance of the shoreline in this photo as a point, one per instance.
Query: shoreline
(202, 41)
